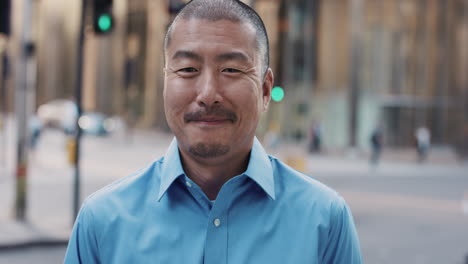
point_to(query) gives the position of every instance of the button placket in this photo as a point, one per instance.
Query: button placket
(219, 210)
(218, 224)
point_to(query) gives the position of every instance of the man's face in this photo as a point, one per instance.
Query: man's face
(214, 90)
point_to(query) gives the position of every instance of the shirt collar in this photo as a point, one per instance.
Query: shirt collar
(171, 168)
(259, 168)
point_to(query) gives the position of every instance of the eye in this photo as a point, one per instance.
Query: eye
(231, 70)
(188, 70)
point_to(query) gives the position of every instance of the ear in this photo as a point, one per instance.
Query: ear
(164, 74)
(266, 88)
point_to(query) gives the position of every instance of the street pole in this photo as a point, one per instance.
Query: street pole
(5, 15)
(464, 88)
(3, 76)
(78, 98)
(355, 65)
(24, 87)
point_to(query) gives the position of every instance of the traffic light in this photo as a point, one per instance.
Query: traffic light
(5, 17)
(175, 6)
(277, 94)
(103, 21)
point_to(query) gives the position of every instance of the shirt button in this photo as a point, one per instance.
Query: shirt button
(217, 222)
(188, 184)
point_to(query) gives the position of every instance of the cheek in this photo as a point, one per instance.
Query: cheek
(247, 101)
(177, 98)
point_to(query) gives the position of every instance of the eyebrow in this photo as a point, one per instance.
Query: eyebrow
(186, 54)
(239, 56)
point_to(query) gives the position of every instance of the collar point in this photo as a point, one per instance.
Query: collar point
(272, 196)
(160, 196)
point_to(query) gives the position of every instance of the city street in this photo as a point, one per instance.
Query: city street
(368, 97)
(405, 212)
(408, 220)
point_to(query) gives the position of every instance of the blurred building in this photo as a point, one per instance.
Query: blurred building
(348, 65)
(407, 61)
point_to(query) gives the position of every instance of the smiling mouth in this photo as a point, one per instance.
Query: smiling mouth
(211, 121)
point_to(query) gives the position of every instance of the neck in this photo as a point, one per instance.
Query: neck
(210, 175)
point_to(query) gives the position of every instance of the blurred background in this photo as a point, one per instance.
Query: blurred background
(370, 97)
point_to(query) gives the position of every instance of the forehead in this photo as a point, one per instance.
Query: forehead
(197, 33)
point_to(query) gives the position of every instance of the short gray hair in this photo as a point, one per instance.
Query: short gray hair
(231, 10)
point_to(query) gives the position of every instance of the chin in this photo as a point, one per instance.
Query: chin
(209, 150)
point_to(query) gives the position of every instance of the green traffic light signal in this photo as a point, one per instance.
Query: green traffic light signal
(104, 22)
(277, 94)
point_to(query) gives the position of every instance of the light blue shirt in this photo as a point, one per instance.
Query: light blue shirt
(269, 214)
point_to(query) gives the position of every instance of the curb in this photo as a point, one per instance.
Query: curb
(35, 243)
(17, 235)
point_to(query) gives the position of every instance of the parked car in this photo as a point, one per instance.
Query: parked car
(61, 114)
(98, 124)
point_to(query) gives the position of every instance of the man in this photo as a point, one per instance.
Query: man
(216, 196)
(423, 142)
(376, 144)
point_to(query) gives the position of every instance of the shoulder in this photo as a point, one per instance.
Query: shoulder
(126, 192)
(113, 205)
(301, 189)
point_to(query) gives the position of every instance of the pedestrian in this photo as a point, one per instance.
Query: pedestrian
(423, 142)
(216, 196)
(315, 138)
(376, 141)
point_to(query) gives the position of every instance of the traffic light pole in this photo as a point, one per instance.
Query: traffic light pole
(78, 95)
(24, 81)
(3, 75)
(5, 10)
(356, 54)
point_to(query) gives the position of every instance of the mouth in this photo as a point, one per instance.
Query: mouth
(211, 121)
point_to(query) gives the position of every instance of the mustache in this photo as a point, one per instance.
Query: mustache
(217, 112)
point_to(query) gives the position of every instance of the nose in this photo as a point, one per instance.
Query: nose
(208, 92)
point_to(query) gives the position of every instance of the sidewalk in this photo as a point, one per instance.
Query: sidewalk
(393, 162)
(36, 230)
(17, 235)
(50, 180)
